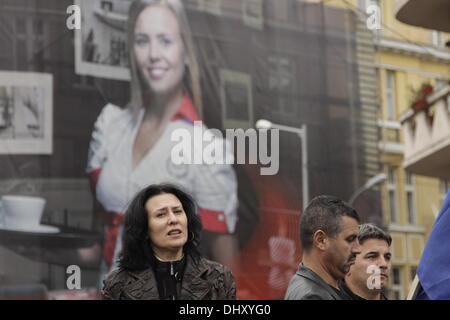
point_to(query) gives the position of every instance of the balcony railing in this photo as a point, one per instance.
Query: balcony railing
(390, 137)
(427, 136)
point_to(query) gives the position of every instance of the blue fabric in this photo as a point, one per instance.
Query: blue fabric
(434, 266)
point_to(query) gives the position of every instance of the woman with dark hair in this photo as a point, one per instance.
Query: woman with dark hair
(160, 258)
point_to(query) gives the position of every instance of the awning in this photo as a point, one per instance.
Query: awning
(430, 14)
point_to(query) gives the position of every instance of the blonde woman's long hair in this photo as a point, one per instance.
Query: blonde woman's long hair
(191, 77)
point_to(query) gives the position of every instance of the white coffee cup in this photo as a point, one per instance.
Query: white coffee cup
(21, 212)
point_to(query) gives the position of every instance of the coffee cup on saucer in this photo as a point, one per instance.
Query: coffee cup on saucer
(21, 212)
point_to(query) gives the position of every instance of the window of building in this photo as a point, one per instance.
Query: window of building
(392, 194)
(396, 275)
(397, 284)
(410, 197)
(390, 95)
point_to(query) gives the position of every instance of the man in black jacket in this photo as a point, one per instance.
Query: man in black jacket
(368, 277)
(329, 237)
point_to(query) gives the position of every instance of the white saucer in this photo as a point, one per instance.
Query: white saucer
(38, 229)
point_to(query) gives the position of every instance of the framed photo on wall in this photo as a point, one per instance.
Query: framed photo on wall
(101, 42)
(26, 113)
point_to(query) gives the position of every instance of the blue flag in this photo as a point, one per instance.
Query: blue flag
(434, 266)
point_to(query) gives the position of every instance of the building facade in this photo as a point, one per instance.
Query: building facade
(406, 59)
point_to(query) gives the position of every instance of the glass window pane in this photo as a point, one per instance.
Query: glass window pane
(410, 203)
(391, 175)
(409, 178)
(390, 106)
(396, 275)
(392, 208)
(390, 99)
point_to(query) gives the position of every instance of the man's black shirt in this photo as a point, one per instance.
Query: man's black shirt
(352, 296)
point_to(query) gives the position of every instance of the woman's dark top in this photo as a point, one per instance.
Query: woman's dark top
(202, 280)
(169, 276)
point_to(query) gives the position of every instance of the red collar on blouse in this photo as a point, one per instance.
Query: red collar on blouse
(186, 111)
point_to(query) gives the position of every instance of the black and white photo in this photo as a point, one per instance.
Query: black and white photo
(25, 113)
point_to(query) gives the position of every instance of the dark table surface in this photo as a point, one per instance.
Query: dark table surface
(67, 238)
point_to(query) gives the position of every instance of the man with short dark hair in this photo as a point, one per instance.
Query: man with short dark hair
(369, 275)
(329, 237)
